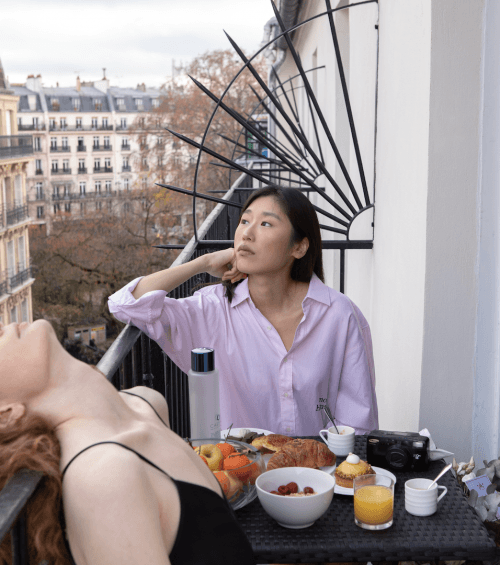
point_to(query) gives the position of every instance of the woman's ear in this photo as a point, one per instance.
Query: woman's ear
(301, 248)
(10, 413)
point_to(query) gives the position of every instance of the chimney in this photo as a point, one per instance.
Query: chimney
(57, 84)
(34, 83)
(141, 87)
(78, 84)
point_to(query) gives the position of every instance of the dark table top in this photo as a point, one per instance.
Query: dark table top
(454, 532)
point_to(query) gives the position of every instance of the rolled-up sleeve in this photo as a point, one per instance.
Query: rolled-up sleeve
(177, 325)
(356, 403)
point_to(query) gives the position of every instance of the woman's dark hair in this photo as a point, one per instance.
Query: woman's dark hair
(304, 220)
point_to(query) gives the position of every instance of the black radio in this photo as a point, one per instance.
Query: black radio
(397, 451)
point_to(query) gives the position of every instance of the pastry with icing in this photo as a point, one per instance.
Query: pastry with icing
(352, 467)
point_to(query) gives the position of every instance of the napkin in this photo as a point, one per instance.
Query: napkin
(434, 452)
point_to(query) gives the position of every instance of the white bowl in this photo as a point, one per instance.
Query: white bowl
(290, 511)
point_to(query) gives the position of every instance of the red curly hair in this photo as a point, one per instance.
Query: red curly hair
(31, 443)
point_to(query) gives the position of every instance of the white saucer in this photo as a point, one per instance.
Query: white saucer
(350, 491)
(223, 433)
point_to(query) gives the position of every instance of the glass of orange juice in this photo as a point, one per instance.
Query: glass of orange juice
(373, 501)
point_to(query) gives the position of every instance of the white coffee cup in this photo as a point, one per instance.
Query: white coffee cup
(341, 443)
(418, 500)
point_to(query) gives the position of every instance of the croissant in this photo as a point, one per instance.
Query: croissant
(302, 453)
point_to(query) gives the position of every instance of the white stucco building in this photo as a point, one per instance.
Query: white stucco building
(424, 84)
(86, 157)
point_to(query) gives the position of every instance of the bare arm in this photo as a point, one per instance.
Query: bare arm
(221, 264)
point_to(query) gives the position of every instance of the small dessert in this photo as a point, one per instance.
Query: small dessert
(352, 467)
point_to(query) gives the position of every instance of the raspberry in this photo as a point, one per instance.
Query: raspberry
(292, 487)
(308, 490)
(274, 492)
(283, 490)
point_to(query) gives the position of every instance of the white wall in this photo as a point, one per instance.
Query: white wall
(448, 353)
(400, 216)
(485, 420)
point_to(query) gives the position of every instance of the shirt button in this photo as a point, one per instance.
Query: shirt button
(288, 429)
(285, 360)
(286, 395)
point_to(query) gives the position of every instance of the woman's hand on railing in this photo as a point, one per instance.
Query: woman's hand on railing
(222, 265)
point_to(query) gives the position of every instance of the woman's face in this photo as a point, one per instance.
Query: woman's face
(26, 353)
(263, 239)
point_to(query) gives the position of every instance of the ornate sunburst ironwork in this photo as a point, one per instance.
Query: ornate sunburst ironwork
(291, 159)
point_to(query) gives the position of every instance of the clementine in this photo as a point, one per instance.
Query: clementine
(223, 480)
(237, 467)
(226, 449)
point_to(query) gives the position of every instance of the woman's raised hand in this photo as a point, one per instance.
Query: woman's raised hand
(222, 265)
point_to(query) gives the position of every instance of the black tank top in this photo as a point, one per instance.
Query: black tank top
(208, 533)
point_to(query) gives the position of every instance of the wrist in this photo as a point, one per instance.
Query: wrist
(201, 264)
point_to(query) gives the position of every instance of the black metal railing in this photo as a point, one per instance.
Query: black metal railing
(16, 214)
(81, 148)
(15, 146)
(125, 147)
(31, 127)
(134, 359)
(60, 171)
(82, 170)
(4, 283)
(61, 149)
(23, 274)
(102, 148)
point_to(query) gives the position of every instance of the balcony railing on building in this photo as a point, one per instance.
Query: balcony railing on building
(126, 169)
(125, 147)
(82, 170)
(15, 214)
(31, 127)
(81, 148)
(63, 171)
(23, 275)
(12, 146)
(59, 149)
(102, 148)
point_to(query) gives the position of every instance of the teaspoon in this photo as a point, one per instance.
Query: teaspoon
(445, 470)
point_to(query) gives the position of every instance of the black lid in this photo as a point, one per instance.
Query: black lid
(202, 359)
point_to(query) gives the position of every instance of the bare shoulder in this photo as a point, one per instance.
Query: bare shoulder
(103, 488)
(155, 398)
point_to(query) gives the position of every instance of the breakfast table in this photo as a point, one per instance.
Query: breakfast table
(453, 533)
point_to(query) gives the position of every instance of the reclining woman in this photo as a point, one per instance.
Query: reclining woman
(285, 343)
(133, 491)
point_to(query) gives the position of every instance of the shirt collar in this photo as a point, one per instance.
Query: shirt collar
(317, 291)
(241, 293)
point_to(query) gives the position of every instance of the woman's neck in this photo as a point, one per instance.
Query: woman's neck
(276, 293)
(82, 403)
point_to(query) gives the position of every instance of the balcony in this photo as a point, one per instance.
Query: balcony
(39, 172)
(31, 127)
(55, 197)
(102, 148)
(81, 148)
(105, 194)
(39, 196)
(4, 284)
(126, 169)
(16, 214)
(55, 149)
(23, 275)
(103, 169)
(60, 171)
(12, 146)
(82, 170)
(125, 147)
(105, 128)
(121, 128)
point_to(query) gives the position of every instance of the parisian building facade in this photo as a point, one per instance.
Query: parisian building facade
(85, 154)
(16, 157)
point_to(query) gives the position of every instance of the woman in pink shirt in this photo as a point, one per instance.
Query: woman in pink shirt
(285, 343)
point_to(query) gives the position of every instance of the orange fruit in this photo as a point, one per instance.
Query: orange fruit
(234, 466)
(254, 471)
(226, 449)
(223, 480)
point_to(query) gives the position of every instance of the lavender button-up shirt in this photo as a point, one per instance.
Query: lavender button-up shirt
(262, 385)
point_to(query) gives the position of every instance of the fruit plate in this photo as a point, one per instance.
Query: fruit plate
(350, 491)
(235, 431)
(249, 490)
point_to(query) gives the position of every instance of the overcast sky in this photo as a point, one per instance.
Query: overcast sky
(135, 40)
